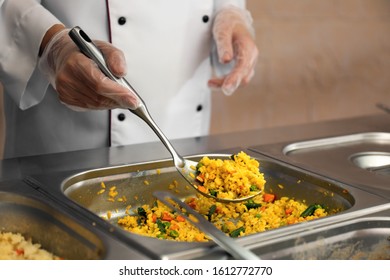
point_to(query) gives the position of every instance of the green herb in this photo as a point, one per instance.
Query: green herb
(141, 212)
(252, 205)
(253, 188)
(224, 228)
(162, 226)
(161, 236)
(198, 166)
(173, 233)
(213, 192)
(236, 232)
(140, 221)
(310, 210)
(211, 211)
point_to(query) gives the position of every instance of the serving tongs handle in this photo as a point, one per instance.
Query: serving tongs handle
(88, 48)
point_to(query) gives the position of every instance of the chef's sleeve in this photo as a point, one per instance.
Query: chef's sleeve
(23, 24)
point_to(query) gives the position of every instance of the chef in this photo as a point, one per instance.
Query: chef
(56, 100)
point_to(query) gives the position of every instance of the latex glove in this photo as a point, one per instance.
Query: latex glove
(233, 35)
(78, 80)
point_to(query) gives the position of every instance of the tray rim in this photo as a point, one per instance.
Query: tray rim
(335, 140)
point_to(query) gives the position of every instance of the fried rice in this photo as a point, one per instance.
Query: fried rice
(14, 246)
(233, 178)
(264, 212)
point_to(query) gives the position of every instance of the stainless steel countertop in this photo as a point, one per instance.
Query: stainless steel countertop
(19, 168)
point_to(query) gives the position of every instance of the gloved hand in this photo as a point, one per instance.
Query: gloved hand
(78, 80)
(233, 35)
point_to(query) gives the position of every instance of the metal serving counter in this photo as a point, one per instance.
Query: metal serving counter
(344, 158)
(19, 168)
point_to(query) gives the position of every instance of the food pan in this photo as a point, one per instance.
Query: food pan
(359, 239)
(137, 182)
(361, 159)
(35, 217)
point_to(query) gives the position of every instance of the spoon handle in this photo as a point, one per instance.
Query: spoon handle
(87, 47)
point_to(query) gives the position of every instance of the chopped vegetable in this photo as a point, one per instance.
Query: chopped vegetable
(310, 210)
(225, 228)
(236, 232)
(173, 233)
(252, 205)
(141, 212)
(268, 197)
(202, 189)
(19, 252)
(162, 226)
(180, 218)
(166, 217)
(213, 192)
(198, 166)
(211, 211)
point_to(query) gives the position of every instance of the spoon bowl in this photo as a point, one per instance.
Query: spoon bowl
(187, 168)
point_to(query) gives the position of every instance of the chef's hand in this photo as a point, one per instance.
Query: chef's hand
(78, 80)
(233, 35)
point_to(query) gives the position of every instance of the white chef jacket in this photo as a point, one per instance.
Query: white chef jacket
(167, 45)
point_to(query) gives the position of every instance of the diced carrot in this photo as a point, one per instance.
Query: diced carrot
(180, 218)
(192, 204)
(288, 211)
(174, 226)
(154, 218)
(268, 197)
(292, 221)
(19, 252)
(166, 217)
(202, 189)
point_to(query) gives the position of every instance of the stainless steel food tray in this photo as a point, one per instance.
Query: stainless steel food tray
(359, 239)
(25, 211)
(78, 191)
(361, 159)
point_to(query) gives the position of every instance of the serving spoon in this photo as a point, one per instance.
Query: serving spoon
(225, 242)
(186, 167)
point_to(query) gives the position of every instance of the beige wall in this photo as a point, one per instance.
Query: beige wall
(319, 60)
